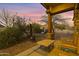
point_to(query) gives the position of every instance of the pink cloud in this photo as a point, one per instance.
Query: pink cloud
(35, 17)
(29, 14)
(68, 14)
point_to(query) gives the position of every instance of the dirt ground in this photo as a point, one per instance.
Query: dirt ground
(13, 50)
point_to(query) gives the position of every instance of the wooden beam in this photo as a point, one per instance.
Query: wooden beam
(61, 8)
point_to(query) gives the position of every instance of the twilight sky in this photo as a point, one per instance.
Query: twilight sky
(32, 10)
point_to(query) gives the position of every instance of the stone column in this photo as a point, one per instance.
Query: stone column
(50, 27)
(76, 26)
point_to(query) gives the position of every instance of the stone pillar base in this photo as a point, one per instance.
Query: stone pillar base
(50, 36)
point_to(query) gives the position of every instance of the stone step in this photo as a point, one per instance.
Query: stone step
(42, 52)
(29, 51)
(35, 54)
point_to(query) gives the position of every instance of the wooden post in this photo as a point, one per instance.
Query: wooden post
(76, 26)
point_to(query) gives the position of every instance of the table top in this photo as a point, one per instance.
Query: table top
(45, 42)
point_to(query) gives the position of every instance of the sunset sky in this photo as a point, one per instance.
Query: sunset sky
(32, 10)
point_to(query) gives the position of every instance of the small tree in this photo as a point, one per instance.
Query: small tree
(6, 18)
(36, 28)
(59, 26)
(56, 19)
(21, 24)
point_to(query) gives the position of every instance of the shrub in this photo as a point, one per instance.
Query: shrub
(10, 36)
(36, 28)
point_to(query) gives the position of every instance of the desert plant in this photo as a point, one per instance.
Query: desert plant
(10, 36)
(36, 28)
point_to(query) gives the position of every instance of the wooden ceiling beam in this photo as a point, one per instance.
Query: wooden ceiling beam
(60, 8)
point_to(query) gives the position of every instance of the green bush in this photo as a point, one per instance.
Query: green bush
(10, 36)
(36, 28)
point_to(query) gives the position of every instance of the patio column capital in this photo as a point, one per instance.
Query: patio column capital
(48, 12)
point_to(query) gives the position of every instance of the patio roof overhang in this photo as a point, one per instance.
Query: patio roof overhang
(55, 8)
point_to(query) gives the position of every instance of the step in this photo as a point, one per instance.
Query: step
(29, 51)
